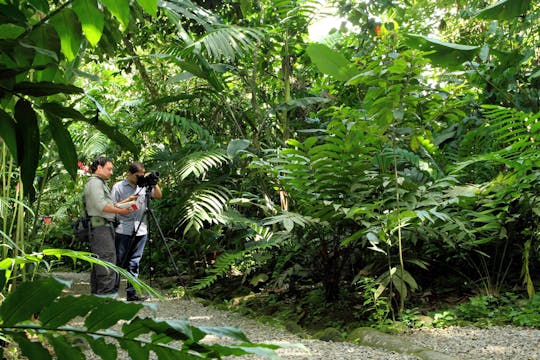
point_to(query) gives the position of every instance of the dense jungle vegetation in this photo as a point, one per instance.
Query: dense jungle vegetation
(377, 170)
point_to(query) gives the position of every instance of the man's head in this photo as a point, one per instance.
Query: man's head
(135, 170)
(102, 167)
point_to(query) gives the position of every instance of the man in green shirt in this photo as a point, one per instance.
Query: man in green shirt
(102, 212)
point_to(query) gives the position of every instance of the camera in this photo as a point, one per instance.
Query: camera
(150, 179)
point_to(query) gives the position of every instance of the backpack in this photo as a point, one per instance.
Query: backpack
(82, 228)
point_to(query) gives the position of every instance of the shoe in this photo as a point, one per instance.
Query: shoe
(136, 298)
(112, 295)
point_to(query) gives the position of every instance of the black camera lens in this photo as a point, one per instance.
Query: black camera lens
(149, 180)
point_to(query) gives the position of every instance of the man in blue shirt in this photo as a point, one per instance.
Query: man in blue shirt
(132, 232)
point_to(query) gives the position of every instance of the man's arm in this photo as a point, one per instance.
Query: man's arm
(115, 210)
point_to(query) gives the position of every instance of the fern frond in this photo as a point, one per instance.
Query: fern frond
(205, 205)
(513, 128)
(91, 144)
(200, 162)
(179, 123)
(227, 260)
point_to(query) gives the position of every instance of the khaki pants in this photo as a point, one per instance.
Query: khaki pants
(103, 280)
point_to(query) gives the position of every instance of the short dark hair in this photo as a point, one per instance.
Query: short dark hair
(100, 161)
(135, 167)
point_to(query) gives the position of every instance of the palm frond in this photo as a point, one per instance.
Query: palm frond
(228, 42)
(177, 10)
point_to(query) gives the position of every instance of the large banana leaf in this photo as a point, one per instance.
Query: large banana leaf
(51, 333)
(331, 62)
(441, 52)
(504, 10)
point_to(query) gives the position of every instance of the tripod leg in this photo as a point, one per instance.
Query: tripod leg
(164, 241)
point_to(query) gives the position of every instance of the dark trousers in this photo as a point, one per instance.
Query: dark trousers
(129, 251)
(103, 280)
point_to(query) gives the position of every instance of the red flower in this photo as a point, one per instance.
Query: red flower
(47, 220)
(83, 167)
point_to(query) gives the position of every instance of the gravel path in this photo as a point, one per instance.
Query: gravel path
(495, 343)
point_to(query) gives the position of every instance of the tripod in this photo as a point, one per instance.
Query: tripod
(130, 247)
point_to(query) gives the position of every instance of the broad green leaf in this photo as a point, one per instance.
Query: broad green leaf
(4, 274)
(63, 349)
(48, 54)
(109, 313)
(135, 350)
(245, 7)
(69, 31)
(400, 286)
(504, 10)
(119, 9)
(62, 112)
(12, 13)
(27, 143)
(173, 329)
(29, 298)
(225, 331)
(91, 19)
(31, 349)
(41, 5)
(8, 132)
(46, 44)
(355, 236)
(66, 148)
(45, 88)
(261, 350)
(150, 6)
(64, 309)
(202, 72)
(331, 62)
(106, 351)
(10, 31)
(442, 53)
(235, 146)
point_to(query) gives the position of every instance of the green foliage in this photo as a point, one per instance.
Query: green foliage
(262, 240)
(331, 62)
(10, 266)
(443, 53)
(33, 64)
(504, 10)
(374, 307)
(52, 334)
(486, 310)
